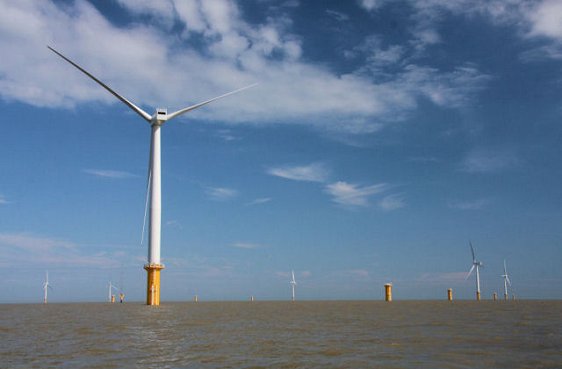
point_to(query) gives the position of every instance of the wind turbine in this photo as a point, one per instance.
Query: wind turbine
(477, 264)
(46, 287)
(156, 121)
(110, 295)
(293, 283)
(506, 281)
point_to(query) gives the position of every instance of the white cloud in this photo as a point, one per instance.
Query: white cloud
(116, 174)
(315, 172)
(150, 67)
(259, 201)
(221, 193)
(469, 205)
(246, 245)
(359, 273)
(546, 19)
(3, 200)
(348, 194)
(442, 278)
(371, 5)
(489, 161)
(392, 202)
(28, 249)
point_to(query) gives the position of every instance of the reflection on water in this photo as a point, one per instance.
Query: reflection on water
(345, 334)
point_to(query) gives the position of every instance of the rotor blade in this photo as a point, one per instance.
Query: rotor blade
(137, 110)
(508, 281)
(472, 250)
(193, 107)
(504, 268)
(469, 272)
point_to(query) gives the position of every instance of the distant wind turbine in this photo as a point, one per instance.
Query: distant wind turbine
(46, 287)
(110, 294)
(475, 264)
(156, 120)
(293, 283)
(506, 281)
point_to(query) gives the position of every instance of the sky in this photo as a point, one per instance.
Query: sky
(382, 138)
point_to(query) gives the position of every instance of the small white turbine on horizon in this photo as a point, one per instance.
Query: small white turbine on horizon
(110, 295)
(293, 283)
(46, 287)
(475, 264)
(506, 281)
(156, 121)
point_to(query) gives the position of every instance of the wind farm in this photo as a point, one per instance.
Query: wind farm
(384, 138)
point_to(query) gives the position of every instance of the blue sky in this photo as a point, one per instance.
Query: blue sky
(382, 137)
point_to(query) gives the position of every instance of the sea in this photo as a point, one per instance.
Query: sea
(300, 334)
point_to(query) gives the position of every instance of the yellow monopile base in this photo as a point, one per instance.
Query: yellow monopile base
(153, 283)
(388, 292)
(477, 296)
(450, 294)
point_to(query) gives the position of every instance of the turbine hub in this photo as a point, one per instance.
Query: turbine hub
(160, 116)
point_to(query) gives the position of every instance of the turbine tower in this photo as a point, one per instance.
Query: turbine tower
(477, 264)
(506, 281)
(110, 295)
(46, 287)
(156, 121)
(293, 283)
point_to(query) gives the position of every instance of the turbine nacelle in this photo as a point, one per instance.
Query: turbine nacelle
(160, 116)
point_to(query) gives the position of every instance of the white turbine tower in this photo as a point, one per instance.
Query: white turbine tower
(475, 264)
(156, 120)
(46, 287)
(506, 281)
(293, 283)
(111, 287)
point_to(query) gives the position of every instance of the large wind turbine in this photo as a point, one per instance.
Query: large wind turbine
(293, 283)
(156, 120)
(477, 264)
(46, 287)
(506, 281)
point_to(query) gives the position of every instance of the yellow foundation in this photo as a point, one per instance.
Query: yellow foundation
(112, 299)
(495, 296)
(450, 294)
(505, 297)
(153, 283)
(388, 292)
(477, 296)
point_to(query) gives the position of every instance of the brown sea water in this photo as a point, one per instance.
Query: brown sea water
(343, 334)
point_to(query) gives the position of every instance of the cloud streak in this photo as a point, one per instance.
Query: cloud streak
(28, 249)
(488, 161)
(221, 193)
(309, 173)
(353, 195)
(105, 173)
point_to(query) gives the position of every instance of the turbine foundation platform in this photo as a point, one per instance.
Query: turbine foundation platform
(388, 292)
(153, 283)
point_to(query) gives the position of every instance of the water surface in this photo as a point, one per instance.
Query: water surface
(342, 334)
